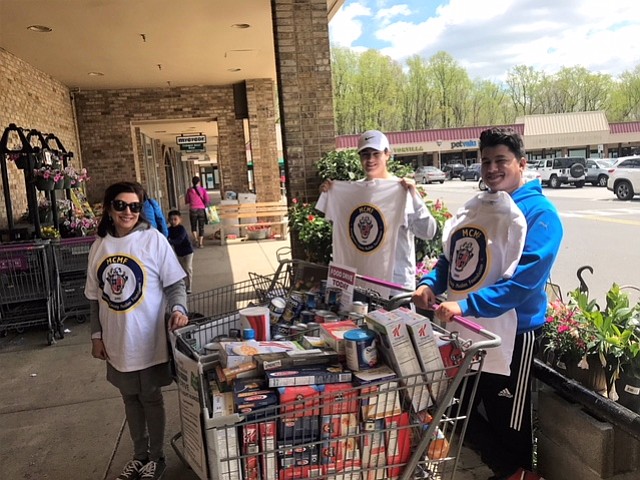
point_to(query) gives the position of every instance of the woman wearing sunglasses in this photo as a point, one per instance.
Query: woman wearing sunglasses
(134, 281)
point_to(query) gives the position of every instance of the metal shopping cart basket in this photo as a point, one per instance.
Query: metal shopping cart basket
(26, 288)
(334, 434)
(71, 257)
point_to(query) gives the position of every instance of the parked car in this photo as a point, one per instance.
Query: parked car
(472, 172)
(452, 170)
(529, 174)
(624, 177)
(563, 170)
(429, 174)
(597, 172)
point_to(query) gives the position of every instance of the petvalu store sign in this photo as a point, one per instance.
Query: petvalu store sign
(190, 139)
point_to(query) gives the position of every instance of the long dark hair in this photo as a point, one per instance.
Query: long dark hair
(106, 224)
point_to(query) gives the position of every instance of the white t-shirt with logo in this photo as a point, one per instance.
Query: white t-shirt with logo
(483, 242)
(127, 275)
(366, 217)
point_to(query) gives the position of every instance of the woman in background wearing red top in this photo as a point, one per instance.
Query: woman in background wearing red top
(198, 200)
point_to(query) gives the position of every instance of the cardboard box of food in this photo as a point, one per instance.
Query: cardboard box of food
(233, 354)
(294, 359)
(333, 334)
(269, 461)
(396, 346)
(379, 392)
(308, 376)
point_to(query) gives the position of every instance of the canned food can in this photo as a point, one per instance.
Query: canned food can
(331, 318)
(279, 330)
(313, 329)
(332, 296)
(310, 300)
(356, 318)
(323, 287)
(276, 308)
(360, 348)
(343, 315)
(360, 307)
(321, 315)
(307, 316)
(296, 333)
(293, 307)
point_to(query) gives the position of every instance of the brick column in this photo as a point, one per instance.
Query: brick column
(262, 131)
(303, 64)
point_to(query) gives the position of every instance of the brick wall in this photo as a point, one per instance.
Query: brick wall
(105, 118)
(31, 99)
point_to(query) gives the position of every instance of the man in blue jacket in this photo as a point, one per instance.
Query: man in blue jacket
(504, 434)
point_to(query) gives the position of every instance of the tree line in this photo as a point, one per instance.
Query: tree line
(371, 90)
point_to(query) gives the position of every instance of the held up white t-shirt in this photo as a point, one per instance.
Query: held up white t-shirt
(366, 217)
(126, 276)
(483, 243)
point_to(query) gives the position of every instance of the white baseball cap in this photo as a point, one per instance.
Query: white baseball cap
(373, 139)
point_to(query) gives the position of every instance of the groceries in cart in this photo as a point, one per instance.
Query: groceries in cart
(329, 393)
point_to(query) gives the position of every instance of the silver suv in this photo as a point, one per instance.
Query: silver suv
(558, 171)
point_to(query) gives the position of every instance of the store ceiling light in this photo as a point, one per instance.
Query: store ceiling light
(95, 74)
(39, 28)
(240, 25)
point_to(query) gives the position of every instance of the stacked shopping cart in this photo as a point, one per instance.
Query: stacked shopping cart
(285, 423)
(71, 257)
(27, 288)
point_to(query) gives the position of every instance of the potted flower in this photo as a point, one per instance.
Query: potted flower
(50, 233)
(569, 341)
(48, 177)
(75, 226)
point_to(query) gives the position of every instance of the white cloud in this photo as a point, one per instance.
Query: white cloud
(385, 15)
(345, 28)
(489, 37)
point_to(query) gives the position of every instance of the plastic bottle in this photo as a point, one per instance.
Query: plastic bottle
(248, 334)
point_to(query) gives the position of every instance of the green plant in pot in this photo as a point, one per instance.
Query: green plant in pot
(569, 339)
(616, 341)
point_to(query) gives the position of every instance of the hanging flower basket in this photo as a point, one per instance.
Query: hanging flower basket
(44, 184)
(58, 184)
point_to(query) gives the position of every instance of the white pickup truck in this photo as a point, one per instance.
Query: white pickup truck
(558, 171)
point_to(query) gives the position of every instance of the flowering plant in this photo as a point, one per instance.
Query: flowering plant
(78, 226)
(49, 232)
(74, 176)
(314, 232)
(48, 172)
(566, 332)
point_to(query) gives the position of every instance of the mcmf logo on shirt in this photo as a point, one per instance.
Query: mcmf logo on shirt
(121, 280)
(366, 228)
(468, 253)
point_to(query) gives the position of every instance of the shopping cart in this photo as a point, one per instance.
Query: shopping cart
(340, 434)
(235, 446)
(26, 288)
(71, 260)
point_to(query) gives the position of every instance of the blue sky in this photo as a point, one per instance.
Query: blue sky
(489, 37)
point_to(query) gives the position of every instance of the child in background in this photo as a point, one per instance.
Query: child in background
(179, 240)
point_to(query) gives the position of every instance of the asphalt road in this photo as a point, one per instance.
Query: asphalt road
(599, 230)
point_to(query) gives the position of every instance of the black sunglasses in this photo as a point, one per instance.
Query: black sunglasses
(120, 206)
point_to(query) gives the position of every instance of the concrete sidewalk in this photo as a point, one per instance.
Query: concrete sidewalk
(61, 419)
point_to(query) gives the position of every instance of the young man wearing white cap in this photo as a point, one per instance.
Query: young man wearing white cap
(375, 221)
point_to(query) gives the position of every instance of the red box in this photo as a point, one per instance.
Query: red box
(339, 398)
(299, 473)
(343, 470)
(250, 446)
(268, 458)
(301, 401)
(398, 443)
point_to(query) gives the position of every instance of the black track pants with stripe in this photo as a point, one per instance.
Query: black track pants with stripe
(500, 421)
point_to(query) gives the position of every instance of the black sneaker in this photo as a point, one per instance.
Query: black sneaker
(153, 470)
(131, 470)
